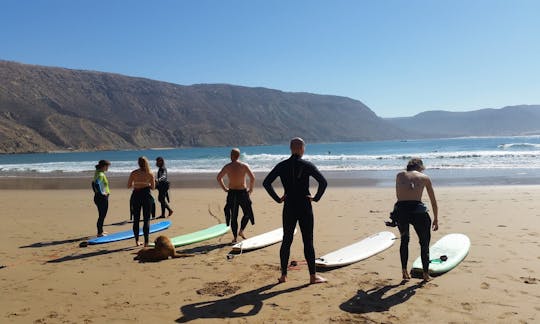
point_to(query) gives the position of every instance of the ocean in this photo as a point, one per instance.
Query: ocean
(510, 157)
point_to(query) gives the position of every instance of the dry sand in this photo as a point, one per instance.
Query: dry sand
(48, 278)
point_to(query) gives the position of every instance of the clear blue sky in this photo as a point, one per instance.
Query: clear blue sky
(398, 57)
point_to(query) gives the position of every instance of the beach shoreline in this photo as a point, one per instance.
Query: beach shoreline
(383, 179)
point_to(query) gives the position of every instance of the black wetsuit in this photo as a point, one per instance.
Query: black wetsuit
(414, 213)
(294, 174)
(142, 199)
(238, 198)
(163, 190)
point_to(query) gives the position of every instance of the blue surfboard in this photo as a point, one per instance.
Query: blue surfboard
(119, 236)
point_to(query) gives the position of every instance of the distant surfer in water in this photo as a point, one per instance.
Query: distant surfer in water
(237, 193)
(409, 209)
(100, 186)
(294, 174)
(142, 181)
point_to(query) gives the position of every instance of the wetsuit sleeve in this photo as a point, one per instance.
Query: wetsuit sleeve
(317, 175)
(267, 183)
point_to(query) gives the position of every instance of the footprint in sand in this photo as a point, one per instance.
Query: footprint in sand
(467, 306)
(529, 280)
(484, 285)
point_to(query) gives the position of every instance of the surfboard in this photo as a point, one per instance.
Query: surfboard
(358, 251)
(202, 235)
(260, 241)
(119, 236)
(452, 247)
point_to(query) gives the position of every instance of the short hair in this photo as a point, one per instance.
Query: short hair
(296, 143)
(415, 164)
(235, 153)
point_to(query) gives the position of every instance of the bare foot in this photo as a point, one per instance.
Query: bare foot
(146, 244)
(241, 235)
(315, 279)
(138, 243)
(282, 279)
(406, 276)
(170, 213)
(426, 277)
(100, 235)
(234, 240)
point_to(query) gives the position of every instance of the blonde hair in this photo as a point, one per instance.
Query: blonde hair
(144, 165)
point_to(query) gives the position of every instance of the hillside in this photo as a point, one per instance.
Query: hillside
(514, 120)
(48, 109)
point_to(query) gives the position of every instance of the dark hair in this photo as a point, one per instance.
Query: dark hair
(415, 164)
(102, 163)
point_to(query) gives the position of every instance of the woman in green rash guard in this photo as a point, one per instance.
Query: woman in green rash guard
(100, 185)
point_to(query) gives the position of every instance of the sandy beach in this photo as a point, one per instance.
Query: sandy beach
(48, 278)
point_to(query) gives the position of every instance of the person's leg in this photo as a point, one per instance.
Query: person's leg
(403, 226)
(166, 200)
(233, 205)
(245, 203)
(306, 224)
(137, 205)
(102, 204)
(422, 226)
(289, 223)
(147, 208)
(162, 202)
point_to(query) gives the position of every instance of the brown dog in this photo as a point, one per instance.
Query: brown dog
(162, 250)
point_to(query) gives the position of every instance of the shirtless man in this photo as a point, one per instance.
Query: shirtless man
(409, 209)
(237, 193)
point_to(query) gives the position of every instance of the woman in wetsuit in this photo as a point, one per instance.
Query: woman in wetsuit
(142, 181)
(409, 209)
(162, 185)
(100, 185)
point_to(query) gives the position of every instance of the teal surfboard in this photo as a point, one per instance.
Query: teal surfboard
(445, 254)
(199, 236)
(119, 236)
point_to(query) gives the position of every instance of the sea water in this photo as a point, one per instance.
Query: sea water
(515, 156)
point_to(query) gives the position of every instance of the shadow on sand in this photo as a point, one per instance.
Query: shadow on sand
(226, 308)
(73, 257)
(52, 243)
(204, 249)
(374, 300)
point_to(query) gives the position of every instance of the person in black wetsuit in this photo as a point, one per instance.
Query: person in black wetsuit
(237, 193)
(294, 174)
(409, 210)
(142, 181)
(162, 185)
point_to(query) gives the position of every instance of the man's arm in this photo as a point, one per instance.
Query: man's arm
(434, 207)
(251, 178)
(220, 176)
(267, 184)
(322, 183)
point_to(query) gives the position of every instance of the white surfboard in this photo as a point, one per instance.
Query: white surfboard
(260, 241)
(453, 248)
(358, 251)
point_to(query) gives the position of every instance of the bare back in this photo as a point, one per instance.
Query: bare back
(236, 173)
(410, 186)
(139, 179)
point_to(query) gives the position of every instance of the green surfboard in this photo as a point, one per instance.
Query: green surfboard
(445, 254)
(202, 235)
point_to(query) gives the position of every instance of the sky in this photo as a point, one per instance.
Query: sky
(399, 57)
